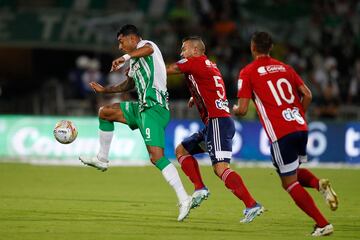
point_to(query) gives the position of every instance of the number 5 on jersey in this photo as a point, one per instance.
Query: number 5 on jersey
(219, 85)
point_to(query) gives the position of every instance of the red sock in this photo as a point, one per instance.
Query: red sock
(306, 203)
(191, 168)
(307, 178)
(234, 182)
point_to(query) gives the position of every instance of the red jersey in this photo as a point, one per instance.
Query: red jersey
(273, 87)
(206, 86)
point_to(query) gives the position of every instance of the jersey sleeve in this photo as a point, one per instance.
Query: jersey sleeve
(244, 85)
(184, 65)
(295, 77)
(143, 43)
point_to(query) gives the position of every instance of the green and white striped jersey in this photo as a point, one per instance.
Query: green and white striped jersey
(149, 74)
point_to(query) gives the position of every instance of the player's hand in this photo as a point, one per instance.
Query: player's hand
(117, 64)
(191, 102)
(97, 87)
(235, 109)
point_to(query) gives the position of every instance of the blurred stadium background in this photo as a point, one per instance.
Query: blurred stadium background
(51, 49)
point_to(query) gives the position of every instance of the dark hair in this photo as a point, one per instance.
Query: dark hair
(127, 30)
(263, 42)
(190, 38)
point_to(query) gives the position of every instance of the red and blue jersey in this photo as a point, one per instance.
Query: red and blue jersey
(206, 86)
(273, 87)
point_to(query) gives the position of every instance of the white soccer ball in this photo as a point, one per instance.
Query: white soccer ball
(65, 132)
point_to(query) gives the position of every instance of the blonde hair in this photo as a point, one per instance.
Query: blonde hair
(196, 41)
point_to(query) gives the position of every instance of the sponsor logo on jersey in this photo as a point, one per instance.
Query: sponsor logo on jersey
(209, 63)
(293, 115)
(222, 104)
(136, 66)
(275, 68)
(261, 70)
(181, 61)
(270, 69)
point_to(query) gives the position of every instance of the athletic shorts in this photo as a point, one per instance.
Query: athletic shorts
(289, 152)
(215, 138)
(151, 122)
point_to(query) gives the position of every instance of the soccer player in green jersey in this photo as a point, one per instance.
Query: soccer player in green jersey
(150, 114)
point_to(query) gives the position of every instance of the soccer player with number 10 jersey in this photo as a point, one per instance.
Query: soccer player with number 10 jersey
(281, 100)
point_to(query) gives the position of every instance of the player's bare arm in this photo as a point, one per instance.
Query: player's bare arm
(172, 69)
(242, 107)
(127, 85)
(306, 96)
(144, 51)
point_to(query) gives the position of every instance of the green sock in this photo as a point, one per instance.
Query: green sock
(105, 125)
(162, 163)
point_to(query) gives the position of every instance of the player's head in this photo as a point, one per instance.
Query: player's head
(261, 43)
(192, 46)
(128, 37)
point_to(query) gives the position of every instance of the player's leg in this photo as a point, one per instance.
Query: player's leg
(107, 116)
(220, 151)
(152, 128)
(234, 182)
(307, 179)
(306, 203)
(185, 152)
(285, 159)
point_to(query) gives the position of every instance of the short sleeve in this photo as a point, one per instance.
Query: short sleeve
(143, 43)
(296, 78)
(184, 65)
(244, 85)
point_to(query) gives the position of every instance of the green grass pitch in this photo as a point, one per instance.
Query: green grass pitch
(52, 202)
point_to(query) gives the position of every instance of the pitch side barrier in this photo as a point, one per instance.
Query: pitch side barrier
(30, 139)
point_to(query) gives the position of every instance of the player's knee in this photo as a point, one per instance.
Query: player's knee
(180, 151)
(105, 112)
(153, 160)
(219, 168)
(155, 155)
(218, 171)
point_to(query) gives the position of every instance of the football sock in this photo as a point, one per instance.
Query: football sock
(307, 178)
(190, 167)
(306, 203)
(106, 132)
(234, 182)
(171, 175)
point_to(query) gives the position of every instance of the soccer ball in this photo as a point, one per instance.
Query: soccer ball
(65, 131)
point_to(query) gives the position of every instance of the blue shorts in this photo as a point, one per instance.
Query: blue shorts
(215, 138)
(288, 152)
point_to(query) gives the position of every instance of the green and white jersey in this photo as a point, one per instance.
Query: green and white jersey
(149, 74)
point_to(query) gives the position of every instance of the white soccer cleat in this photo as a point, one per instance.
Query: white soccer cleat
(95, 162)
(328, 193)
(198, 196)
(251, 213)
(184, 208)
(325, 231)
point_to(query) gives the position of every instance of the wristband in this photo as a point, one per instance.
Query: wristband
(126, 57)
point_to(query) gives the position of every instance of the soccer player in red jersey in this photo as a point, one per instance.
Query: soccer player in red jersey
(207, 88)
(281, 100)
